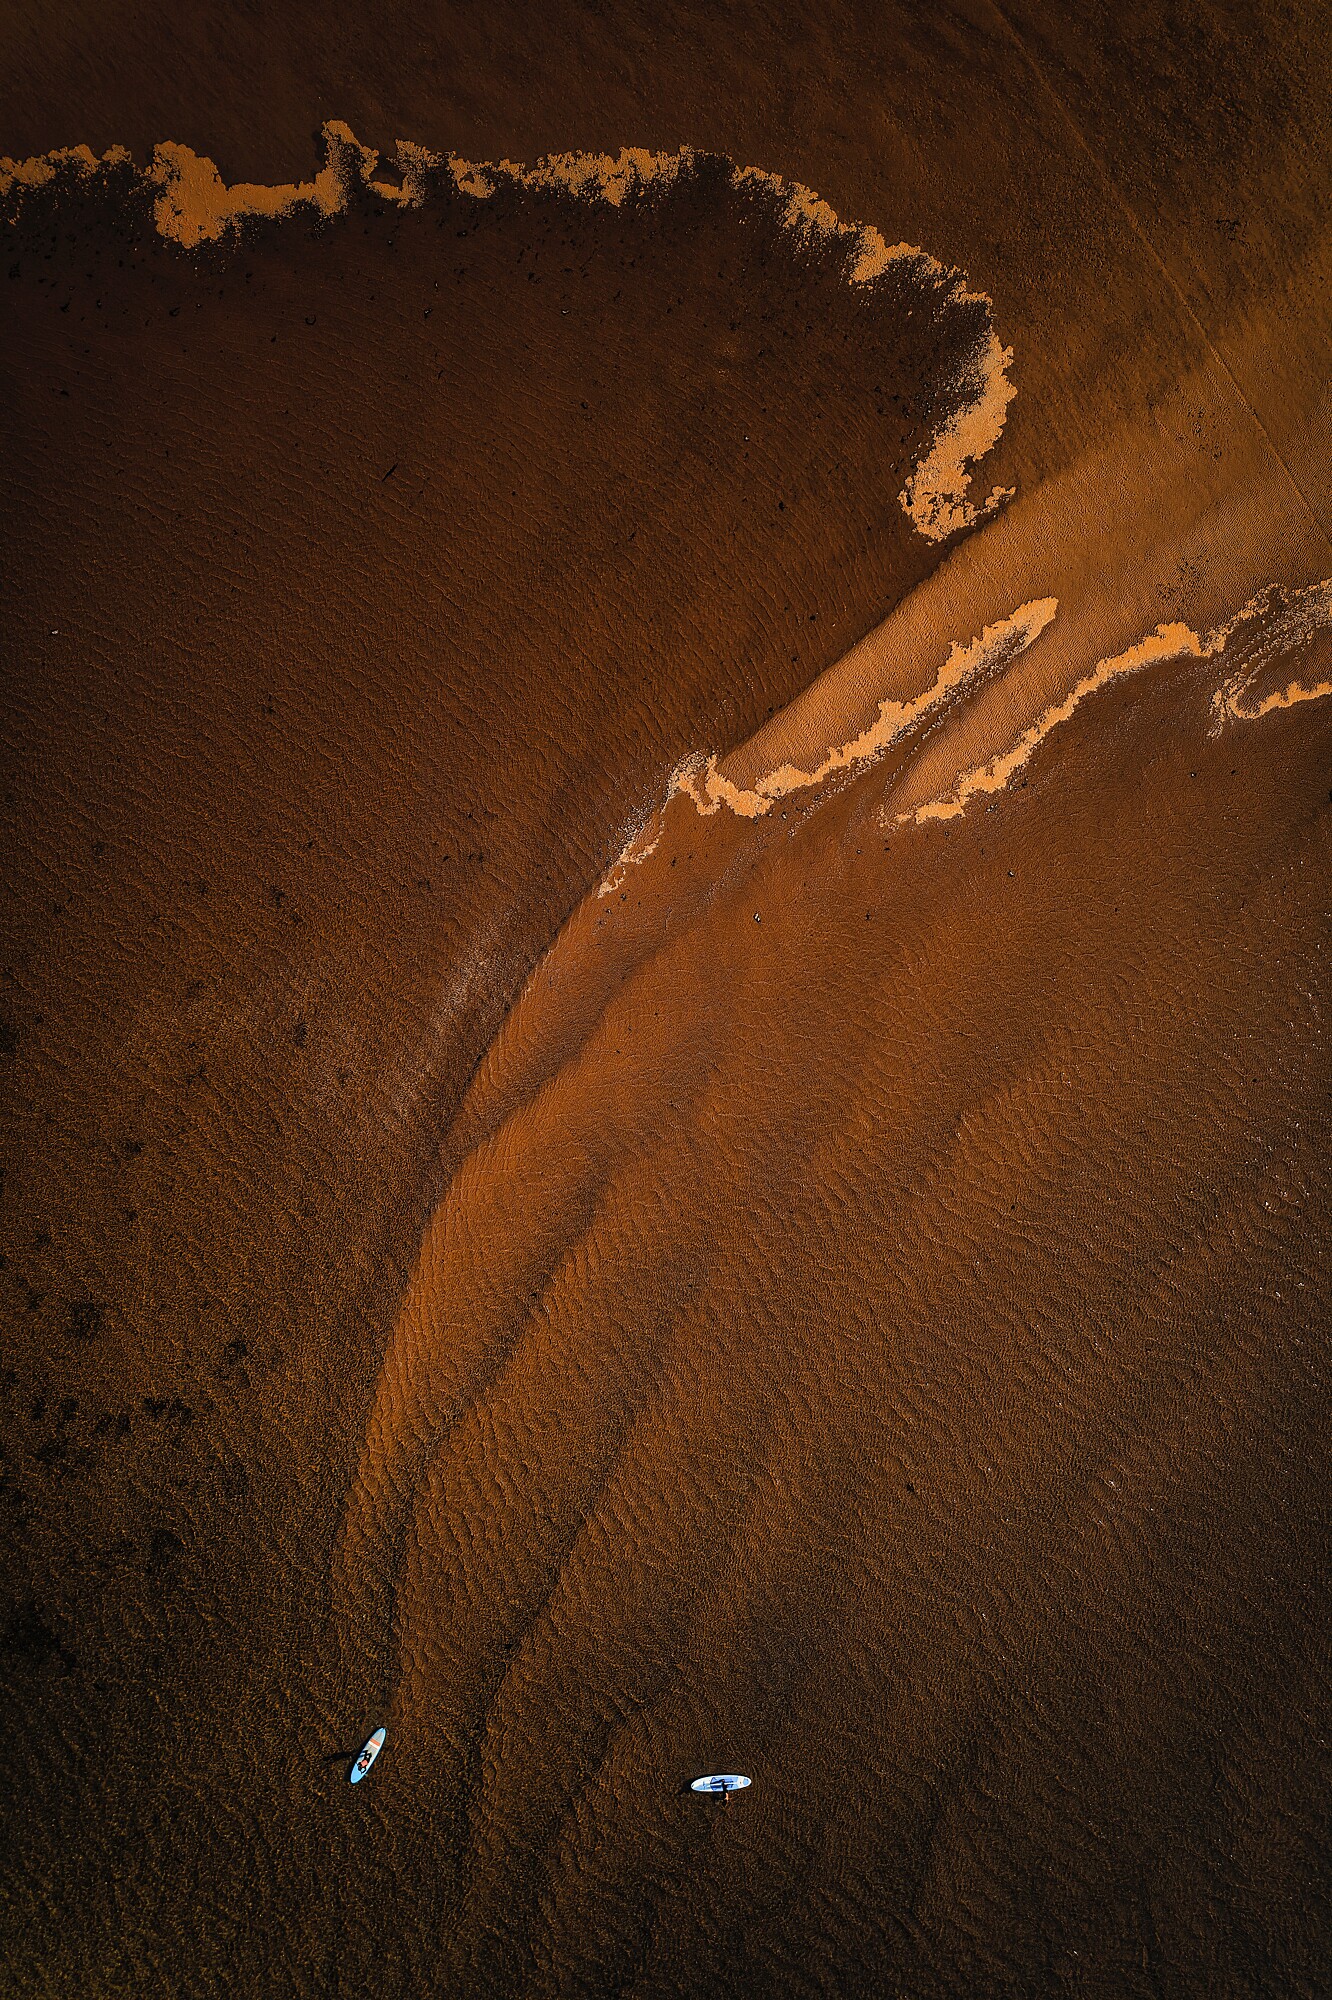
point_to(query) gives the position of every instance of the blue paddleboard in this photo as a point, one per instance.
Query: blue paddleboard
(724, 1782)
(369, 1753)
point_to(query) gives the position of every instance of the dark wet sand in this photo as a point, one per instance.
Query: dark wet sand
(851, 1303)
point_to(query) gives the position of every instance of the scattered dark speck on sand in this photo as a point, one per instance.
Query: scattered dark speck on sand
(86, 1320)
(170, 1410)
(231, 1369)
(164, 1549)
(28, 1639)
(524, 1307)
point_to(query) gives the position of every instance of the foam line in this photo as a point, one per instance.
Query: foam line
(1271, 625)
(192, 206)
(1265, 632)
(967, 665)
(963, 670)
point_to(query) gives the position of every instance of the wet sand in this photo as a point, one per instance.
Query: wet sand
(656, 1123)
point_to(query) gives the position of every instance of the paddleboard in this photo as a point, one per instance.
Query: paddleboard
(723, 1782)
(369, 1753)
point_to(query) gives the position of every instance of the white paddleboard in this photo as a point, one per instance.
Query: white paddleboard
(368, 1755)
(722, 1782)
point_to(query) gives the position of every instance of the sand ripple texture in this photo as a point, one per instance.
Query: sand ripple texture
(857, 1346)
(364, 573)
(506, 1243)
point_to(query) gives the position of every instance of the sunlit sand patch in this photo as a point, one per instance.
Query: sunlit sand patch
(933, 494)
(192, 206)
(196, 206)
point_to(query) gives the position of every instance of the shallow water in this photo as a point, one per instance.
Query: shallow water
(501, 1243)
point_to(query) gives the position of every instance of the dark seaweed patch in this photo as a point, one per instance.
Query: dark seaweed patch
(29, 1640)
(164, 1549)
(85, 1320)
